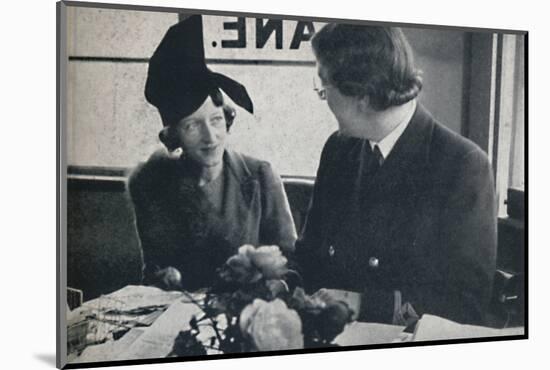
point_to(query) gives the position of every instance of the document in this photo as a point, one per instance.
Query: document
(432, 327)
(157, 341)
(110, 350)
(133, 298)
(362, 333)
(135, 307)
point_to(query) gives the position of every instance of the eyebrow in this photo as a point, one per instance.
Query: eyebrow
(186, 121)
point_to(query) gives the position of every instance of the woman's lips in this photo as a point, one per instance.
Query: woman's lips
(210, 149)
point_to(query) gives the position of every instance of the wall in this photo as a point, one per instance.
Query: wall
(110, 124)
(442, 56)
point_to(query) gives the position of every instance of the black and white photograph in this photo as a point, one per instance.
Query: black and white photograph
(240, 184)
(206, 184)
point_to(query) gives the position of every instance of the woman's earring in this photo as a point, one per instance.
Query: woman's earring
(170, 141)
(176, 153)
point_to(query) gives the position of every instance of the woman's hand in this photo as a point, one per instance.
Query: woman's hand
(168, 278)
(352, 299)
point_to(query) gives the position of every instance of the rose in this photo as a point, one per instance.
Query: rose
(239, 268)
(269, 260)
(168, 278)
(271, 326)
(250, 264)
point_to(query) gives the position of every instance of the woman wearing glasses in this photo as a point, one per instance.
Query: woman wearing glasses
(197, 202)
(403, 216)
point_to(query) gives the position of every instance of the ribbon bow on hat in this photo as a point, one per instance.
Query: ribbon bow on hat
(178, 80)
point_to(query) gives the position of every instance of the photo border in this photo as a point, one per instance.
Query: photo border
(61, 185)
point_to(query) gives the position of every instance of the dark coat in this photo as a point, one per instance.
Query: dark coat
(178, 227)
(427, 226)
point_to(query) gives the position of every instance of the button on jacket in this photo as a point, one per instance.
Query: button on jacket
(424, 224)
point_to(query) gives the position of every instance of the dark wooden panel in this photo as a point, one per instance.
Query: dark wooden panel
(511, 245)
(515, 204)
(102, 247)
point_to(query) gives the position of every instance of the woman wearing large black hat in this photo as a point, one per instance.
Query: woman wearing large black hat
(194, 209)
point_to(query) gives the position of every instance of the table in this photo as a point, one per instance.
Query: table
(165, 314)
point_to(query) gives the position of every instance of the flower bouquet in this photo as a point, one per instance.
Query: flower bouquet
(257, 304)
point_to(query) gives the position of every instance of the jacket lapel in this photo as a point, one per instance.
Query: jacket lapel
(402, 173)
(239, 190)
(394, 190)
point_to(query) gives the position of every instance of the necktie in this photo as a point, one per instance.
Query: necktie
(373, 161)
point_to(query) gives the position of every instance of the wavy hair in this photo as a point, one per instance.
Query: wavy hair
(170, 138)
(369, 61)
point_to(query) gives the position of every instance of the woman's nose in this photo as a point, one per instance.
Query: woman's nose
(208, 132)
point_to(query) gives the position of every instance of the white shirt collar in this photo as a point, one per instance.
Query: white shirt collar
(386, 144)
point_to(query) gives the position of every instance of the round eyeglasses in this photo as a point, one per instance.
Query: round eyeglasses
(319, 89)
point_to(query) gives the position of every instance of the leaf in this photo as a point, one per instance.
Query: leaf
(193, 323)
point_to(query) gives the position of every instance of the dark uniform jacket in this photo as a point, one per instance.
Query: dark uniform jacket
(178, 227)
(425, 225)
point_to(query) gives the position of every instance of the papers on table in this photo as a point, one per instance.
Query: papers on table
(168, 313)
(106, 316)
(109, 351)
(158, 340)
(134, 298)
(363, 333)
(431, 327)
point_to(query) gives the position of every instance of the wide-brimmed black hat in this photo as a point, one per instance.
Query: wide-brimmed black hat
(178, 81)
